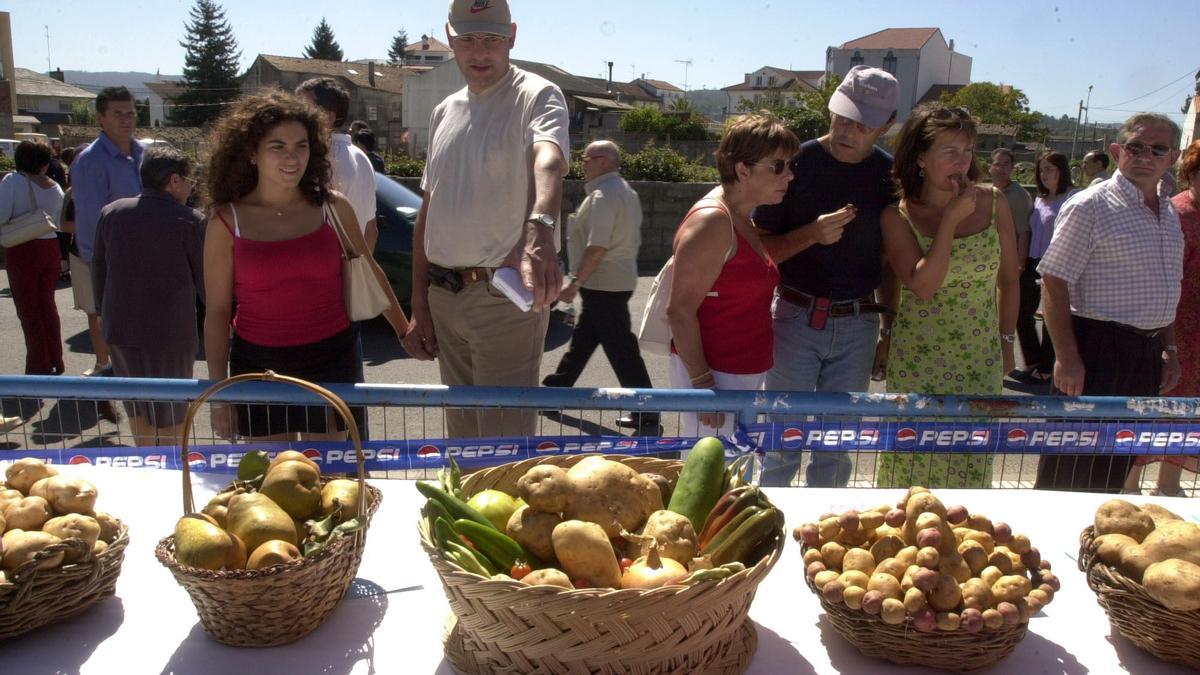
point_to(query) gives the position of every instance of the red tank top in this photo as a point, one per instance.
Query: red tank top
(288, 292)
(735, 318)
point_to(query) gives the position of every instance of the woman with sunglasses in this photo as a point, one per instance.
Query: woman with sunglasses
(953, 246)
(272, 243)
(720, 303)
(1053, 179)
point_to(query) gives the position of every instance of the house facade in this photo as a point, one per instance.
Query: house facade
(376, 89)
(430, 51)
(162, 97)
(771, 83)
(44, 103)
(920, 58)
(664, 92)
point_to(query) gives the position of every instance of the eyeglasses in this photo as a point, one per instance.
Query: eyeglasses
(947, 113)
(1136, 148)
(776, 166)
(471, 40)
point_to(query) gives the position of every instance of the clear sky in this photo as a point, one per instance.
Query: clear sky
(1138, 54)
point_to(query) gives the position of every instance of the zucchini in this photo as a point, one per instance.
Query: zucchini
(700, 482)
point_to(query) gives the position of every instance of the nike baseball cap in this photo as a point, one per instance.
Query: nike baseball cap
(480, 16)
(867, 96)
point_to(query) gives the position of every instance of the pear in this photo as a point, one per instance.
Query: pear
(200, 543)
(292, 455)
(253, 464)
(295, 486)
(23, 473)
(345, 493)
(20, 547)
(218, 506)
(28, 514)
(273, 552)
(255, 519)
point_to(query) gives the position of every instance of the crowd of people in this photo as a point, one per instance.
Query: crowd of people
(814, 266)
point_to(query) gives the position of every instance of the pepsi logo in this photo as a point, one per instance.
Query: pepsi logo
(79, 459)
(428, 452)
(625, 445)
(1124, 436)
(906, 437)
(792, 437)
(313, 455)
(196, 460)
(667, 441)
(1017, 437)
(547, 446)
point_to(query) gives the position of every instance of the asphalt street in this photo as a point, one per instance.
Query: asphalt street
(386, 362)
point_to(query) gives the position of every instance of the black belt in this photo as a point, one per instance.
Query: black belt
(454, 279)
(1142, 332)
(839, 308)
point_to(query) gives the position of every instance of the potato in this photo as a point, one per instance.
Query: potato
(853, 596)
(548, 577)
(833, 553)
(611, 495)
(953, 564)
(914, 600)
(948, 621)
(584, 552)
(546, 488)
(928, 557)
(20, 547)
(946, 594)
(1134, 561)
(1117, 516)
(23, 473)
(991, 574)
(855, 578)
(833, 591)
(9, 496)
(674, 533)
(821, 579)
(109, 527)
(972, 620)
(872, 602)
(1174, 539)
(925, 579)
(1019, 545)
(892, 611)
(855, 537)
(918, 504)
(813, 555)
(886, 584)
(981, 523)
(893, 567)
(28, 514)
(664, 486)
(908, 555)
(870, 520)
(974, 555)
(983, 538)
(534, 530)
(1001, 560)
(886, 547)
(73, 526)
(992, 619)
(1011, 588)
(977, 594)
(829, 529)
(1158, 513)
(858, 559)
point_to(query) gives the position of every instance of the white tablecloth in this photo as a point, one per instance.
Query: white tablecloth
(150, 625)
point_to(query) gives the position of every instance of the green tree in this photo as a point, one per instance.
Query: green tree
(817, 100)
(323, 45)
(396, 51)
(992, 103)
(143, 111)
(210, 67)
(683, 125)
(809, 119)
(82, 113)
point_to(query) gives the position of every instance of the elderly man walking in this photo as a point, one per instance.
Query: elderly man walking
(1110, 284)
(603, 237)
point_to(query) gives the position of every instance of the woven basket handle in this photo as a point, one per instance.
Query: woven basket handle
(270, 376)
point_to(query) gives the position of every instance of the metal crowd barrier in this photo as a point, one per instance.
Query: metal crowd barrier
(408, 439)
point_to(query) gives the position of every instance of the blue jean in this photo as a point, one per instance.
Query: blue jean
(838, 359)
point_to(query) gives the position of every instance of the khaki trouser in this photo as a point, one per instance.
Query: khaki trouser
(484, 340)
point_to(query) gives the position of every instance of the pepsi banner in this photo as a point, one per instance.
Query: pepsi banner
(1126, 438)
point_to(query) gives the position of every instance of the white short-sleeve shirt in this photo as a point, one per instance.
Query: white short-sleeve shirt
(478, 179)
(354, 177)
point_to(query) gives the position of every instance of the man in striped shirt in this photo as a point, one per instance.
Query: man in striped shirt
(1110, 284)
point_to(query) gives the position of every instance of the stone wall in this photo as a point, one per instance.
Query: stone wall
(663, 206)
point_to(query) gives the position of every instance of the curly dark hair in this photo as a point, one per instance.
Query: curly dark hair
(236, 135)
(927, 121)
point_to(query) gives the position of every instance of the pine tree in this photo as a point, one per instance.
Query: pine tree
(323, 45)
(396, 51)
(210, 67)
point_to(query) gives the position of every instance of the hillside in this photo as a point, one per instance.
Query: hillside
(132, 80)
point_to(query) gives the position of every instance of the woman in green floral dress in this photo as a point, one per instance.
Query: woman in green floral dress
(953, 246)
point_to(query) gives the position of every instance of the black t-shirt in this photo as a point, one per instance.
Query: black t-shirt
(849, 269)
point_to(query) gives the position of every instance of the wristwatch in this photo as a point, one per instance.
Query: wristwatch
(543, 219)
(1009, 337)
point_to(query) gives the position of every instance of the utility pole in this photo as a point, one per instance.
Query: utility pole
(1075, 136)
(1085, 110)
(48, 68)
(687, 63)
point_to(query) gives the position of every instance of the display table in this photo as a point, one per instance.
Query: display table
(392, 620)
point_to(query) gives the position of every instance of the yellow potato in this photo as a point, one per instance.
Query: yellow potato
(1175, 583)
(1117, 516)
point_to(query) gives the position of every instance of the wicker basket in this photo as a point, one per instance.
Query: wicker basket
(283, 603)
(959, 651)
(1169, 634)
(506, 626)
(39, 597)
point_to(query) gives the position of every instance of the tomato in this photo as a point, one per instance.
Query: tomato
(467, 541)
(625, 563)
(519, 570)
(581, 583)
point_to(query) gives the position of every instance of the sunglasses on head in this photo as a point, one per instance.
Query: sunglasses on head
(777, 166)
(1136, 148)
(947, 113)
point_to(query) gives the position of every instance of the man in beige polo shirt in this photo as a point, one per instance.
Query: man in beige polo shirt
(493, 193)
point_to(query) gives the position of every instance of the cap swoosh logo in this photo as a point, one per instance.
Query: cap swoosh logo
(476, 10)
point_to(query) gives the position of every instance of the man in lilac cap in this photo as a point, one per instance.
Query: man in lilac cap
(831, 331)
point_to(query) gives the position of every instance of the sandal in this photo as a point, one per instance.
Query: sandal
(1023, 376)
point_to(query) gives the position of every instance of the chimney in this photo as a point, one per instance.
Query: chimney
(610, 65)
(58, 75)
(371, 73)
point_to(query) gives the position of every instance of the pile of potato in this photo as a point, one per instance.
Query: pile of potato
(1154, 547)
(937, 568)
(39, 508)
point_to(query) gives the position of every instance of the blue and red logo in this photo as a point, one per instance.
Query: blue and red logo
(1124, 437)
(792, 437)
(906, 437)
(197, 461)
(625, 445)
(547, 446)
(79, 459)
(428, 452)
(1017, 437)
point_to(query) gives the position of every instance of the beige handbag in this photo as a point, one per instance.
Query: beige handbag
(361, 291)
(25, 228)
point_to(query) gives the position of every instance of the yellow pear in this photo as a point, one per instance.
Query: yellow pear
(200, 543)
(295, 486)
(273, 552)
(255, 519)
(345, 492)
(292, 455)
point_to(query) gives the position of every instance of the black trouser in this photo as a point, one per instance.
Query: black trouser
(603, 322)
(1117, 362)
(1037, 350)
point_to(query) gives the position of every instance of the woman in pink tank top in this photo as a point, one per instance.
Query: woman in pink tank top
(720, 305)
(271, 251)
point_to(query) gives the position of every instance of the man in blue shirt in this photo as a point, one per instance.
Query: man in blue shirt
(825, 236)
(108, 170)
